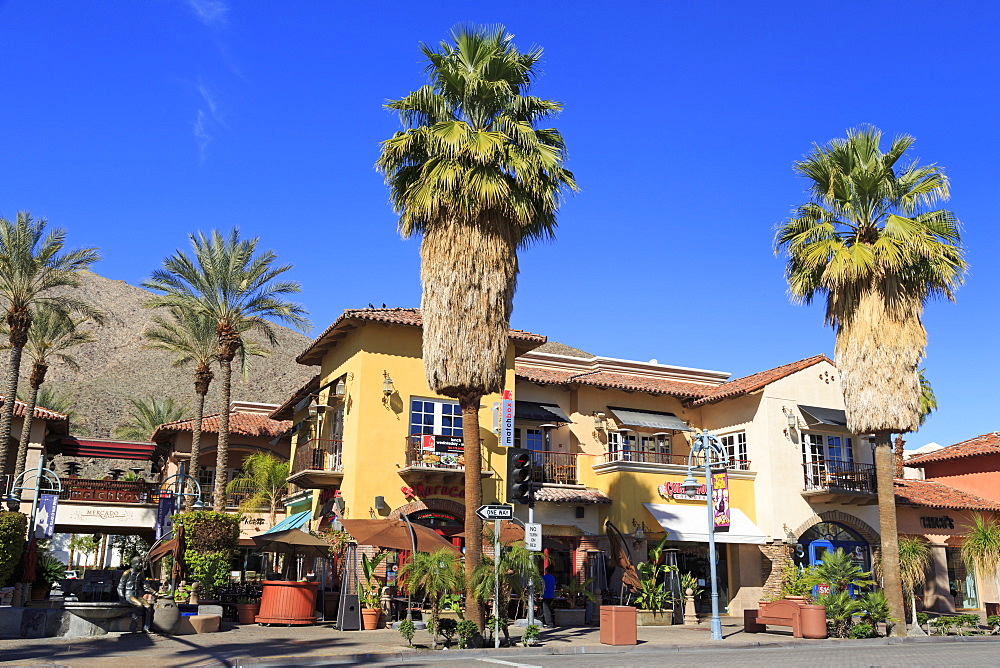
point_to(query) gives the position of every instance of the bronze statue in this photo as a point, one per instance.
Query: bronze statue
(132, 588)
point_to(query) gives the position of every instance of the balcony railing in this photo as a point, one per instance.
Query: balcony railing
(647, 457)
(233, 499)
(830, 474)
(109, 491)
(558, 468)
(318, 454)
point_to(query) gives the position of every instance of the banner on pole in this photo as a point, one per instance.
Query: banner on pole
(165, 514)
(720, 500)
(507, 420)
(45, 516)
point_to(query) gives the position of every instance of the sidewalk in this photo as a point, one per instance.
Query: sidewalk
(239, 645)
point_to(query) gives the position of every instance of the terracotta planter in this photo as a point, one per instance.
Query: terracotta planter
(369, 617)
(654, 617)
(287, 602)
(247, 612)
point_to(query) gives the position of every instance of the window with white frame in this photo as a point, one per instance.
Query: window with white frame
(835, 450)
(434, 416)
(532, 439)
(621, 445)
(735, 445)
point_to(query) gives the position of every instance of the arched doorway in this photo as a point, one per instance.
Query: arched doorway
(444, 516)
(827, 536)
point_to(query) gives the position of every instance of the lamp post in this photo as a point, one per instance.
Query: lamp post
(707, 445)
(42, 476)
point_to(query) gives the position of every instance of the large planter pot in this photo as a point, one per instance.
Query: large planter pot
(247, 612)
(570, 616)
(448, 614)
(40, 591)
(287, 602)
(812, 621)
(369, 618)
(166, 615)
(654, 617)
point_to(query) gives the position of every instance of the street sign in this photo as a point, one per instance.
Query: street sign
(495, 512)
(533, 536)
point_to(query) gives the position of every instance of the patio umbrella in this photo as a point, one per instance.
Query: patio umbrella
(177, 570)
(511, 532)
(293, 541)
(620, 556)
(395, 534)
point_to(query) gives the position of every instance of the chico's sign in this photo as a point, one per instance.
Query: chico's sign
(676, 490)
(422, 490)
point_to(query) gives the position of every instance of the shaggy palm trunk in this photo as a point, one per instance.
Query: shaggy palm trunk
(473, 499)
(37, 378)
(898, 455)
(892, 583)
(195, 446)
(7, 414)
(222, 454)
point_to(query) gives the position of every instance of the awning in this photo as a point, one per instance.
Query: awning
(539, 412)
(690, 524)
(831, 416)
(291, 522)
(648, 419)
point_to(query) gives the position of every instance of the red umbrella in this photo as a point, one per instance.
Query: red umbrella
(395, 534)
(30, 560)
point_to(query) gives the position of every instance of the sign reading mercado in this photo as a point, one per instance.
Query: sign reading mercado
(720, 500)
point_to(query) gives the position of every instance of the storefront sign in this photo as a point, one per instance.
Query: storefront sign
(943, 522)
(443, 450)
(421, 490)
(507, 420)
(720, 500)
(675, 490)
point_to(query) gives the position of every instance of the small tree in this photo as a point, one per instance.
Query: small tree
(436, 575)
(840, 572)
(262, 479)
(981, 549)
(914, 562)
(85, 545)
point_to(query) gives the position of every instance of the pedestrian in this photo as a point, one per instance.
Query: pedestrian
(548, 593)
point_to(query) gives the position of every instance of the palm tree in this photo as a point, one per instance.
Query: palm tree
(914, 562)
(262, 479)
(226, 283)
(517, 568)
(477, 180)
(435, 574)
(52, 332)
(981, 547)
(148, 414)
(928, 404)
(32, 265)
(870, 242)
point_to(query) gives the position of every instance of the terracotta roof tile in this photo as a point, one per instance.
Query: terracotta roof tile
(243, 424)
(757, 381)
(40, 413)
(543, 376)
(393, 316)
(984, 444)
(609, 379)
(932, 494)
(570, 495)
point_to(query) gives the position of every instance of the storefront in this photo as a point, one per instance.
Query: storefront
(828, 537)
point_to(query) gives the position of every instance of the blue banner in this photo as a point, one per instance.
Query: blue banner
(165, 515)
(45, 515)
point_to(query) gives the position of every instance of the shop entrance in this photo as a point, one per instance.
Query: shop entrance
(828, 537)
(443, 523)
(693, 558)
(961, 582)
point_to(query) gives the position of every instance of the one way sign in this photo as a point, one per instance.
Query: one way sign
(495, 512)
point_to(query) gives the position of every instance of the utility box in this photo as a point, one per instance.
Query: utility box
(618, 623)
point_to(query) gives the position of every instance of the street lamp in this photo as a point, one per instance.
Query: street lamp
(42, 476)
(181, 481)
(707, 445)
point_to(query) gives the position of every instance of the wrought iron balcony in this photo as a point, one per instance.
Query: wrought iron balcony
(833, 481)
(318, 464)
(647, 457)
(109, 491)
(429, 454)
(559, 468)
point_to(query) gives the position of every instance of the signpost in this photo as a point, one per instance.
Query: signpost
(495, 511)
(533, 536)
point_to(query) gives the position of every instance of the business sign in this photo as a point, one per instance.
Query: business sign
(442, 450)
(165, 515)
(495, 512)
(533, 536)
(507, 420)
(675, 490)
(720, 500)
(45, 516)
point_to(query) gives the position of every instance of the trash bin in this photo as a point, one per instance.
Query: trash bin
(812, 621)
(618, 624)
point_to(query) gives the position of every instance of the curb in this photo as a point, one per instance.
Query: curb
(645, 648)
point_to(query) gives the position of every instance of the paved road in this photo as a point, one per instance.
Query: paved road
(904, 655)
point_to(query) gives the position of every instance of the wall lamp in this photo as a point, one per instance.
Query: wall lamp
(792, 420)
(340, 389)
(598, 420)
(387, 387)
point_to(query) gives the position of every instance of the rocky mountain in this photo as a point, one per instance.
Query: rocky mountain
(116, 367)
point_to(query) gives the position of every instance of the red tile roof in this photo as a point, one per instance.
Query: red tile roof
(243, 424)
(757, 381)
(20, 408)
(570, 495)
(609, 379)
(544, 376)
(930, 494)
(392, 316)
(984, 444)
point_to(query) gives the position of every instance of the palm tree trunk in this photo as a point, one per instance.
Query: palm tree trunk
(37, 378)
(473, 499)
(222, 455)
(892, 583)
(10, 393)
(898, 455)
(195, 446)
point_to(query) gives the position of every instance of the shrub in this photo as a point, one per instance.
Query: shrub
(209, 541)
(874, 608)
(840, 609)
(923, 618)
(466, 630)
(13, 529)
(993, 621)
(407, 630)
(447, 628)
(49, 569)
(531, 634)
(943, 624)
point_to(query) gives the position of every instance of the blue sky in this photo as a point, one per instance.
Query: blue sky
(135, 123)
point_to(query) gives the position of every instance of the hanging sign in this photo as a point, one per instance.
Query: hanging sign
(165, 515)
(507, 420)
(45, 516)
(720, 500)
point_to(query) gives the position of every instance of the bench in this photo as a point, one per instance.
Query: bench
(806, 621)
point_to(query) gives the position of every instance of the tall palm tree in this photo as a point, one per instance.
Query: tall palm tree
(263, 480)
(870, 242)
(477, 180)
(148, 414)
(224, 281)
(32, 265)
(51, 334)
(928, 404)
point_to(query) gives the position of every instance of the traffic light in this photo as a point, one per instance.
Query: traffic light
(519, 469)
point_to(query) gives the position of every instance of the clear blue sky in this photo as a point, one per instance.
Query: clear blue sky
(135, 123)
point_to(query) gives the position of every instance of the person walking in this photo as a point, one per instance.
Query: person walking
(548, 593)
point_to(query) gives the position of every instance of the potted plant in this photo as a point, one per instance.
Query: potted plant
(247, 609)
(654, 602)
(575, 591)
(48, 570)
(370, 591)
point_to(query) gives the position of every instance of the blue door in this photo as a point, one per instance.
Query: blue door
(817, 549)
